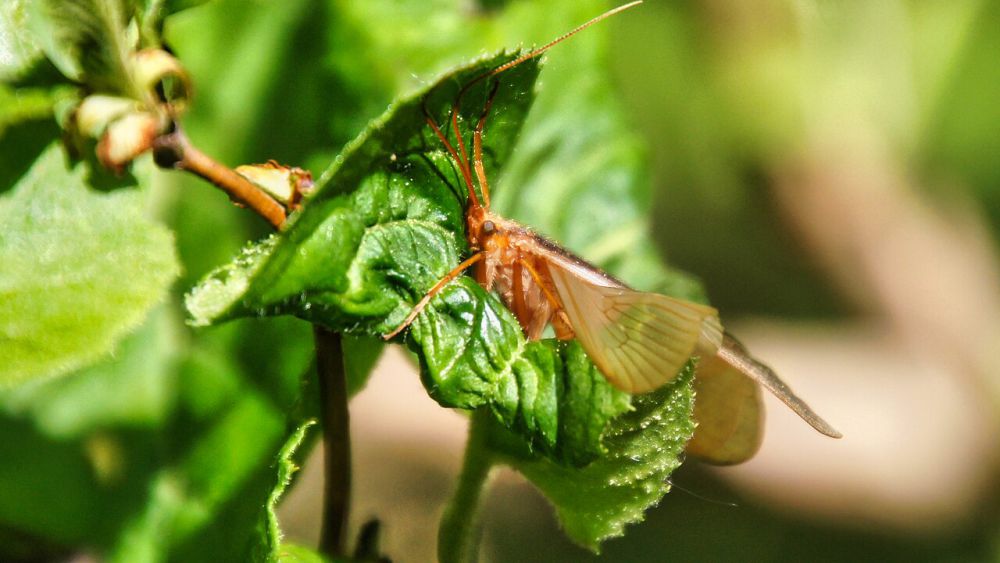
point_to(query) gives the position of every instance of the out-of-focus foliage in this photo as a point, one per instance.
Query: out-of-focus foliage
(81, 269)
(728, 91)
(18, 51)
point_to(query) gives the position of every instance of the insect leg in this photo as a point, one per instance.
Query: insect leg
(517, 285)
(556, 305)
(558, 319)
(434, 291)
(564, 330)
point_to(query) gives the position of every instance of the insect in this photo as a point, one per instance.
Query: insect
(639, 340)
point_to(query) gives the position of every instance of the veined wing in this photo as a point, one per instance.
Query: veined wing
(730, 414)
(736, 355)
(640, 341)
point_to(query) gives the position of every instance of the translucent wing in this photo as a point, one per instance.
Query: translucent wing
(735, 354)
(730, 413)
(640, 341)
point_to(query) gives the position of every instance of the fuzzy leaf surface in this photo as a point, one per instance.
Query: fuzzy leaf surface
(596, 502)
(86, 40)
(18, 50)
(81, 269)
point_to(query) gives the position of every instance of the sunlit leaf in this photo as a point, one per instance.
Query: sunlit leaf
(18, 50)
(596, 502)
(81, 269)
(86, 40)
(133, 388)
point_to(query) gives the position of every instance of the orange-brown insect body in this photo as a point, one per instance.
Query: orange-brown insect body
(515, 265)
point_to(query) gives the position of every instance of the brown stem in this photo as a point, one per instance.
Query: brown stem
(336, 441)
(174, 150)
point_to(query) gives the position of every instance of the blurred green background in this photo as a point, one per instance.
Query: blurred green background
(828, 170)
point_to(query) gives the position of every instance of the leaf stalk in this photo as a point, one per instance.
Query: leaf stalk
(458, 536)
(335, 419)
(174, 150)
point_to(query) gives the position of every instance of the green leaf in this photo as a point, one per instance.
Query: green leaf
(595, 503)
(383, 226)
(18, 50)
(18, 105)
(175, 455)
(84, 444)
(81, 270)
(271, 548)
(86, 40)
(132, 388)
(361, 353)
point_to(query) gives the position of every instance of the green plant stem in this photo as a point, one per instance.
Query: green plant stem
(336, 441)
(458, 537)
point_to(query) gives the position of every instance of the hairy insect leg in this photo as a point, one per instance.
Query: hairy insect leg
(433, 291)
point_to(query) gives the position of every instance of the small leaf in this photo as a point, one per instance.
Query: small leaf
(271, 547)
(18, 50)
(86, 40)
(81, 269)
(132, 388)
(595, 503)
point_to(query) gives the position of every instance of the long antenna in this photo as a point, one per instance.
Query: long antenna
(540, 50)
(463, 164)
(562, 38)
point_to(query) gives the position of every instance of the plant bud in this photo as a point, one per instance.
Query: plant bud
(127, 138)
(286, 184)
(94, 114)
(155, 68)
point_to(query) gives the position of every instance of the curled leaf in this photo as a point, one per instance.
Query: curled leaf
(156, 72)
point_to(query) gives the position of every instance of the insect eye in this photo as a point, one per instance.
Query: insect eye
(489, 227)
